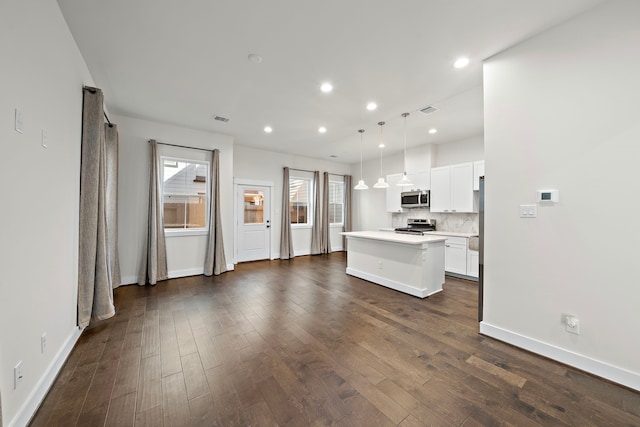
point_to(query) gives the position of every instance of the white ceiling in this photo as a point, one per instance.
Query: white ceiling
(182, 62)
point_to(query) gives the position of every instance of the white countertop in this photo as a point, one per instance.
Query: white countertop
(440, 233)
(452, 233)
(409, 239)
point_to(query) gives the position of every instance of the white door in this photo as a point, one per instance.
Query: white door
(253, 222)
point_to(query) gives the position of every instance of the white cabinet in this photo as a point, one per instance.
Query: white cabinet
(458, 258)
(455, 255)
(478, 171)
(452, 188)
(393, 193)
(473, 263)
(420, 180)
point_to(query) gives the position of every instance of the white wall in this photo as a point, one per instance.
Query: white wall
(185, 254)
(561, 111)
(463, 151)
(42, 75)
(260, 165)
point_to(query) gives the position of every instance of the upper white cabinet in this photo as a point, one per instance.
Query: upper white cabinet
(452, 188)
(393, 193)
(420, 180)
(478, 171)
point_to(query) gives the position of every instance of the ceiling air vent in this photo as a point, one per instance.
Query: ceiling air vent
(428, 109)
(220, 119)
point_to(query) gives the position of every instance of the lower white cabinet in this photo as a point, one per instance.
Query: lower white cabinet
(458, 258)
(473, 263)
(455, 255)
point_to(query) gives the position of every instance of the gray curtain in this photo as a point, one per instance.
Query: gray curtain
(214, 260)
(347, 207)
(96, 252)
(111, 146)
(316, 228)
(154, 256)
(325, 241)
(286, 243)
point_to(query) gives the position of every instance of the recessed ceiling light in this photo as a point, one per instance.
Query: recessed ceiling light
(322, 129)
(381, 145)
(333, 156)
(372, 106)
(433, 130)
(326, 87)
(461, 62)
(268, 129)
(255, 58)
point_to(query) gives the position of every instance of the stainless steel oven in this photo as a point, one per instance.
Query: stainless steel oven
(415, 199)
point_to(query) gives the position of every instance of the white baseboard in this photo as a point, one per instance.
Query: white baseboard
(584, 363)
(402, 287)
(129, 280)
(231, 267)
(30, 406)
(185, 273)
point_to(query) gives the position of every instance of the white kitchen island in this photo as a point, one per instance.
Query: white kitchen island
(404, 262)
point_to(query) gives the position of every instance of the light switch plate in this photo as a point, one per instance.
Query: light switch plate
(44, 138)
(528, 211)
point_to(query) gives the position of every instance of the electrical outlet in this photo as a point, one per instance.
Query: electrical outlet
(43, 343)
(17, 375)
(571, 323)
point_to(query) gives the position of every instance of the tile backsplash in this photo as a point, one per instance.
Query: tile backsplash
(455, 222)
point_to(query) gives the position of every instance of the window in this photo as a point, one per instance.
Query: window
(185, 194)
(336, 202)
(299, 200)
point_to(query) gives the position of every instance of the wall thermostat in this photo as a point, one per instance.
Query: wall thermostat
(547, 196)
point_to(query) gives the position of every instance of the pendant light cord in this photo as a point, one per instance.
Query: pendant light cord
(404, 160)
(380, 146)
(361, 146)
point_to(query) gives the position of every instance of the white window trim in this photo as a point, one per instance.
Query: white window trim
(310, 207)
(341, 223)
(181, 232)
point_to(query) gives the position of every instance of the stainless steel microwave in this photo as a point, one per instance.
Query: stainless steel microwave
(415, 199)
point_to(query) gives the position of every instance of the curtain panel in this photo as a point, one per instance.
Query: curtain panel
(325, 241)
(286, 242)
(97, 257)
(154, 256)
(215, 262)
(347, 207)
(316, 228)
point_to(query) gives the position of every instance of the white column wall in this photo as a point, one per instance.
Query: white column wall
(42, 75)
(185, 254)
(561, 112)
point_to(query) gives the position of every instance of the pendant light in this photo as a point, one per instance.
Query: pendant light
(405, 181)
(361, 185)
(381, 182)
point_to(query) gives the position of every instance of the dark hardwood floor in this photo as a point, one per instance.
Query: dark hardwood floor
(300, 343)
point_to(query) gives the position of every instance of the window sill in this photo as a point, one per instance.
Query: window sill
(301, 227)
(182, 233)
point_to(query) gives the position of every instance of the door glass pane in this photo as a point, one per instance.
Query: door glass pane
(253, 207)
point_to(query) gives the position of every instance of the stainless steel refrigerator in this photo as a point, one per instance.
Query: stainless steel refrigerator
(481, 248)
